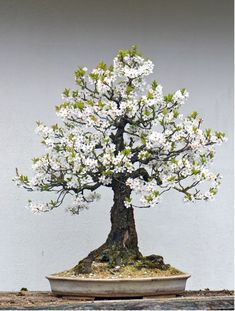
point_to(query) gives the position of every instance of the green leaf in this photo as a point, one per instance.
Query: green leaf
(75, 94)
(175, 113)
(219, 135)
(129, 89)
(66, 92)
(107, 173)
(94, 76)
(64, 105)
(126, 152)
(168, 98)
(203, 159)
(55, 127)
(150, 95)
(207, 133)
(154, 85)
(57, 148)
(143, 138)
(90, 102)
(133, 51)
(193, 115)
(101, 104)
(147, 112)
(35, 160)
(102, 66)
(174, 161)
(79, 72)
(213, 191)
(127, 199)
(148, 198)
(79, 105)
(44, 187)
(195, 171)
(156, 193)
(23, 178)
(93, 118)
(188, 196)
(71, 136)
(121, 55)
(165, 111)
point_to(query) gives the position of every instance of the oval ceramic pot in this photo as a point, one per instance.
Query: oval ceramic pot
(154, 286)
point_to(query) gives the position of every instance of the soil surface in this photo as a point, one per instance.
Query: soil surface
(34, 300)
(102, 271)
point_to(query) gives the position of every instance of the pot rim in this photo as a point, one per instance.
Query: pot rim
(174, 277)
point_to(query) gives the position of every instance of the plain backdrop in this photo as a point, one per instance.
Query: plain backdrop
(42, 43)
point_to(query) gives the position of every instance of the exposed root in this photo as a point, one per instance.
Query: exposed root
(119, 257)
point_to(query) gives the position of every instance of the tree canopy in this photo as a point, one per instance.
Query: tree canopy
(116, 126)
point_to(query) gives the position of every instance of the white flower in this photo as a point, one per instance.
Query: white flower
(38, 207)
(115, 126)
(155, 139)
(105, 180)
(180, 97)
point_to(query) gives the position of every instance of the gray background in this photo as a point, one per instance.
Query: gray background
(42, 43)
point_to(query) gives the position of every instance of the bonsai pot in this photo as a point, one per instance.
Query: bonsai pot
(135, 287)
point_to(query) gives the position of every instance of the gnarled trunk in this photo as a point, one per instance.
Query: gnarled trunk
(122, 238)
(121, 246)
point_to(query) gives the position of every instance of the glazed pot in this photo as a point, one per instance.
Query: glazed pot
(135, 287)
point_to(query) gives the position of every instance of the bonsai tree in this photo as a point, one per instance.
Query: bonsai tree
(120, 132)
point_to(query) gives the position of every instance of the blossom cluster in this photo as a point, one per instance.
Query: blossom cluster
(117, 127)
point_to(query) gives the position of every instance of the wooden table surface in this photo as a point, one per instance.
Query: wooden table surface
(200, 300)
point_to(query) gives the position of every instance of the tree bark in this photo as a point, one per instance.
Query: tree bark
(121, 246)
(123, 236)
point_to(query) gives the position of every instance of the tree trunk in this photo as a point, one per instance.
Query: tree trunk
(121, 246)
(123, 235)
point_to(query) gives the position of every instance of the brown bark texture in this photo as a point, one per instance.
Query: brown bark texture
(121, 246)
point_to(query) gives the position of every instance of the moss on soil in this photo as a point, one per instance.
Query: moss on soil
(103, 271)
